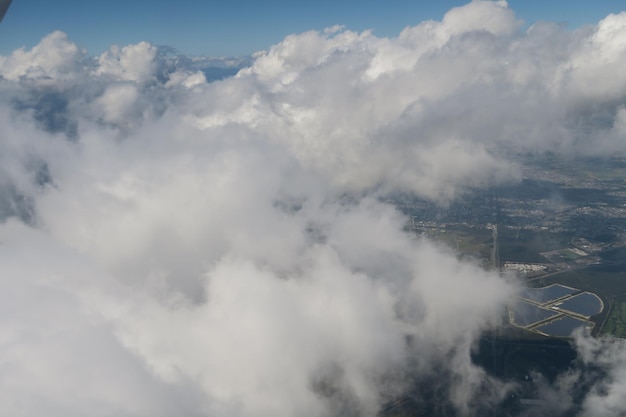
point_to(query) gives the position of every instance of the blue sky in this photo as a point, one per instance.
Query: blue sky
(240, 27)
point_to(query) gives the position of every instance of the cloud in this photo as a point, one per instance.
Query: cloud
(222, 248)
(117, 103)
(593, 386)
(594, 68)
(130, 63)
(608, 359)
(54, 57)
(60, 351)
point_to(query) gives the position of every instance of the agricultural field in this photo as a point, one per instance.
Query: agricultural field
(615, 324)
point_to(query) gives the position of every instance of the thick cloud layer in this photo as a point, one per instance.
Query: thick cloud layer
(172, 246)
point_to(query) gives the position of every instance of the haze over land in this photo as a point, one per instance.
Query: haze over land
(174, 246)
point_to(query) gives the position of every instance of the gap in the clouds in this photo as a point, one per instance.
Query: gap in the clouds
(542, 225)
(49, 109)
(213, 68)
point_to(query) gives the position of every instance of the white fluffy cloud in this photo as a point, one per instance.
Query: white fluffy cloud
(54, 57)
(130, 63)
(171, 246)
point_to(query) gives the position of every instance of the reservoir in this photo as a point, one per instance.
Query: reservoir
(556, 310)
(524, 314)
(547, 294)
(586, 304)
(563, 327)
